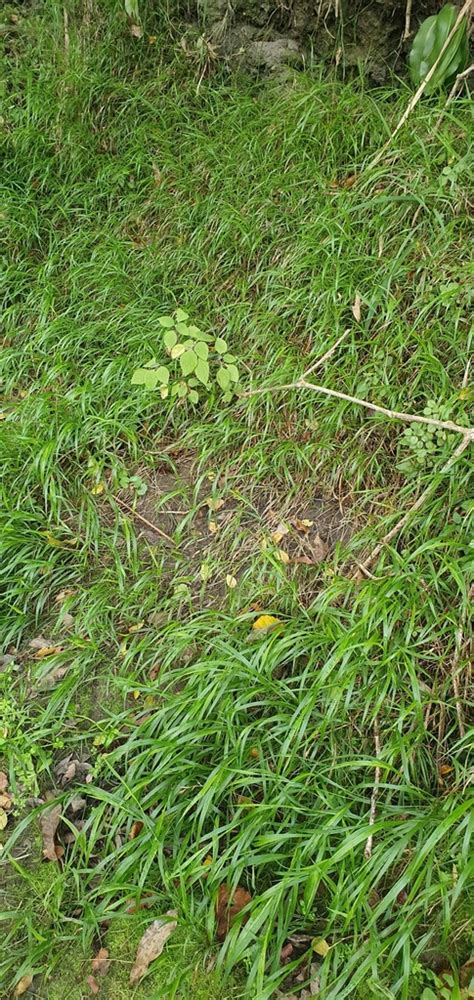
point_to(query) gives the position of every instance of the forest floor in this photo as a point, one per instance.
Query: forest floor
(312, 764)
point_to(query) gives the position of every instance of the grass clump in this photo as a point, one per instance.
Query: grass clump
(129, 193)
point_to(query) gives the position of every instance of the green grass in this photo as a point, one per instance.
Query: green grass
(127, 191)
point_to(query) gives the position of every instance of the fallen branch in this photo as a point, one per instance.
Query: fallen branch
(375, 791)
(144, 520)
(454, 89)
(407, 32)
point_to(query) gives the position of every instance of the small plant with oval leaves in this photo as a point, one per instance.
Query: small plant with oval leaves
(196, 360)
(428, 43)
(420, 443)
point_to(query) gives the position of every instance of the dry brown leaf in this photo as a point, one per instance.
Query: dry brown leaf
(101, 962)
(23, 985)
(3, 781)
(151, 945)
(279, 533)
(47, 651)
(213, 527)
(93, 985)
(356, 308)
(47, 681)
(136, 31)
(49, 822)
(63, 594)
(3, 819)
(214, 504)
(39, 642)
(136, 828)
(228, 906)
(283, 557)
(231, 581)
(345, 182)
(6, 801)
(303, 524)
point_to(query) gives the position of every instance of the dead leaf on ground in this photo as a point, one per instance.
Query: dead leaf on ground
(39, 642)
(356, 308)
(320, 946)
(303, 524)
(344, 182)
(47, 651)
(214, 504)
(283, 557)
(23, 985)
(63, 594)
(319, 551)
(101, 962)
(151, 945)
(49, 822)
(71, 767)
(3, 819)
(231, 581)
(47, 681)
(93, 985)
(6, 801)
(136, 31)
(279, 533)
(265, 623)
(3, 781)
(136, 828)
(213, 527)
(228, 905)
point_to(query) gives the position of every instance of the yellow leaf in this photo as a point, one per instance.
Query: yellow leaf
(213, 527)
(137, 627)
(231, 581)
(266, 622)
(151, 39)
(283, 556)
(279, 533)
(47, 651)
(3, 415)
(303, 524)
(3, 819)
(22, 985)
(214, 504)
(98, 489)
(465, 392)
(205, 572)
(356, 308)
(136, 694)
(320, 946)
(58, 543)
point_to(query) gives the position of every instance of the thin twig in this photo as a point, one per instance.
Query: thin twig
(321, 361)
(407, 32)
(416, 506)
(466, 7)
(144, 520)
(375, 791)
(454, 89)
(465, 378)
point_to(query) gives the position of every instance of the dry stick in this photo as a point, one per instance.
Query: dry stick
(466, 7)
(465, 378)
(375, 791)
(454, 90)
(407, 32)
(149, 524)
(301, 383)
(418, 503)
(320, 361)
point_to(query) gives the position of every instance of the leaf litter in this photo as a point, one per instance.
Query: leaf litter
(49, 822)
(151, 944)
(229, 904)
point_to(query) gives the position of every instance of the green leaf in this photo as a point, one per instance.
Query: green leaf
(227, 397)
(181, 316)
(197, 334)
(163, 375)
(202, 371)
(146, 377)
(230, 358)
(166, 321)
(202, 350)
(183, 329)
(170, 338)
(177, 350)
(150, 364)
(131, 8)
(182, 390)
(427, 44)
(220, 346)
(223, 379)
(188, 362)
(233, 373)
(193, 396)
(175, 389)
